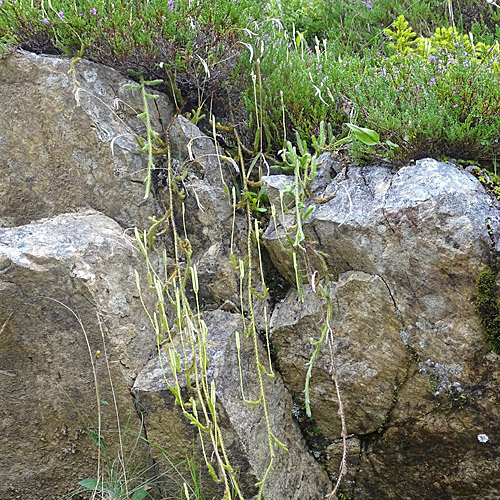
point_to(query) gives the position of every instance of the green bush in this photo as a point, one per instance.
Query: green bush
(434, 96)
(422, 82)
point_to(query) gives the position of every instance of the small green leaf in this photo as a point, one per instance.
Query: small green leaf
(254, 161)
(365, 135)
(392, 144)
(89, 483)
(139, 494)
(153, 82)
(194, 420)
(256, 140)
(307, 212)
(232, 258)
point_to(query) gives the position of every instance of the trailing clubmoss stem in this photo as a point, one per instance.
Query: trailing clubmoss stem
(272, 439)
(151, 135)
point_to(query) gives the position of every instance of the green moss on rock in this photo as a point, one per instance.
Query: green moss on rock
(487, 307)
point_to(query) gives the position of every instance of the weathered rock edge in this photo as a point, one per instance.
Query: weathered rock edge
(420, 384)
(62, 281)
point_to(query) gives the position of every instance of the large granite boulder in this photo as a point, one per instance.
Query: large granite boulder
(67, 290)
(419, 380)
(60, 152)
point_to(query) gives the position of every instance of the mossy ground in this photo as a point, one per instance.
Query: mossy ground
(487, 307)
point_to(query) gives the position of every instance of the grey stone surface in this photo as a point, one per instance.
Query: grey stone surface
(367, 349)
(62, 280)
(295, 474)
(417, 376)
(403, 249)
(57, 157)
(328, 166)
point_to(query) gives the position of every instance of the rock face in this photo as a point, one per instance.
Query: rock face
(403, 250)
(58, 157)
(67, 290)
(208, 219)
(67, 273)
(295, 474)
(418, 379)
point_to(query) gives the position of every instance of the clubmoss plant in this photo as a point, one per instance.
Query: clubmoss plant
(147, 146)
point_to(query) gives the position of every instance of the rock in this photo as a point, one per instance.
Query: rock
(417, 376)
(61, 281)
(58, 156)
(276, 184)
(370, 359)
(73, 157)
(207, 215)
(63, 267)
(199, 152)
(327, 168)
(295, 474)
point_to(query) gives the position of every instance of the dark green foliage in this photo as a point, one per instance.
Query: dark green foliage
(487, 307)
(284, 67)
(183, 37)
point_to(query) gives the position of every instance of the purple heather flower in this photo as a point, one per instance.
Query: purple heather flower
(455, 105)
(61, 14)
(266, 37)
(1, 2)
(93, 11)
(432, 59)
(368, 4)
(432, 81)
(45, 20)
(170, 4)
